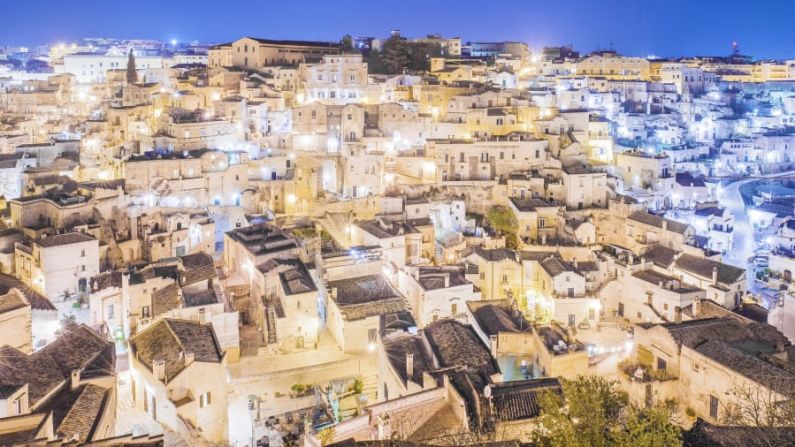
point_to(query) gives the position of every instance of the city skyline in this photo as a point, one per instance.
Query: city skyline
(643, 28)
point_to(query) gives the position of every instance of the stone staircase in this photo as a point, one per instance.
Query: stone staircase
(370, 388)
(270, 316)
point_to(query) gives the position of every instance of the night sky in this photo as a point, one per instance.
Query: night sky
(763, 28)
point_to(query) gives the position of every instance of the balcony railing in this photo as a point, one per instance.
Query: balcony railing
(644, 374)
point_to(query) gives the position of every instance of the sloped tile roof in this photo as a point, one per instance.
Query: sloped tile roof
(456, 344)
(520, 399)
(661, 256)
(165, 299)
(81, 419)
(752, 367)
(11, 301)
(657, 221)
(727, 274)
(396, 351)
(496, 254)
(64, 239)
(170, 339)
(495, 317)
(43, 371)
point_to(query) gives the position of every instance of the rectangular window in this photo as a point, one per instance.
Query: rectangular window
(145, 312)
(662, 365)
(372, 336)
(204, 400)
(713, 407)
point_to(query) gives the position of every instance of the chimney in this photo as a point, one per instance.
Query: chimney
(493, 345)
(575, 263)
(409, 365)
(678, 314)
(696, 307)
(159, 369)
(446, 280)
(715, 276)
(75, 379)
(188, 358)
(665, 224)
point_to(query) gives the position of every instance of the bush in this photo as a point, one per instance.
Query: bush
(358, 386)
(298, 388)
(503, 220)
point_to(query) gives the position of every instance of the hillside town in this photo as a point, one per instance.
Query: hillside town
(424, 240)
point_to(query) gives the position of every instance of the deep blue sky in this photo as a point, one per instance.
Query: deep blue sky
(764, 28)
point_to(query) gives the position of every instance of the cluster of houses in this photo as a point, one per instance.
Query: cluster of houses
(479, 229)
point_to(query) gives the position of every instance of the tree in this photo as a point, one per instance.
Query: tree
(396, 54)
(68, 323)
(649, 427)
(132, 74)
(767, 416)
(375, 62)
(593, 412)
(346, 44)
(503, 220)
(421, 54)
(755, 405)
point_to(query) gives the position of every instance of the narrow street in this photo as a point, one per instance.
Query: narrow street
(744, 243)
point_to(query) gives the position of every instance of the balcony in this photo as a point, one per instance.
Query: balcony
(636, 372)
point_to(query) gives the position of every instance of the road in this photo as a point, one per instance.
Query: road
(744, 243)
